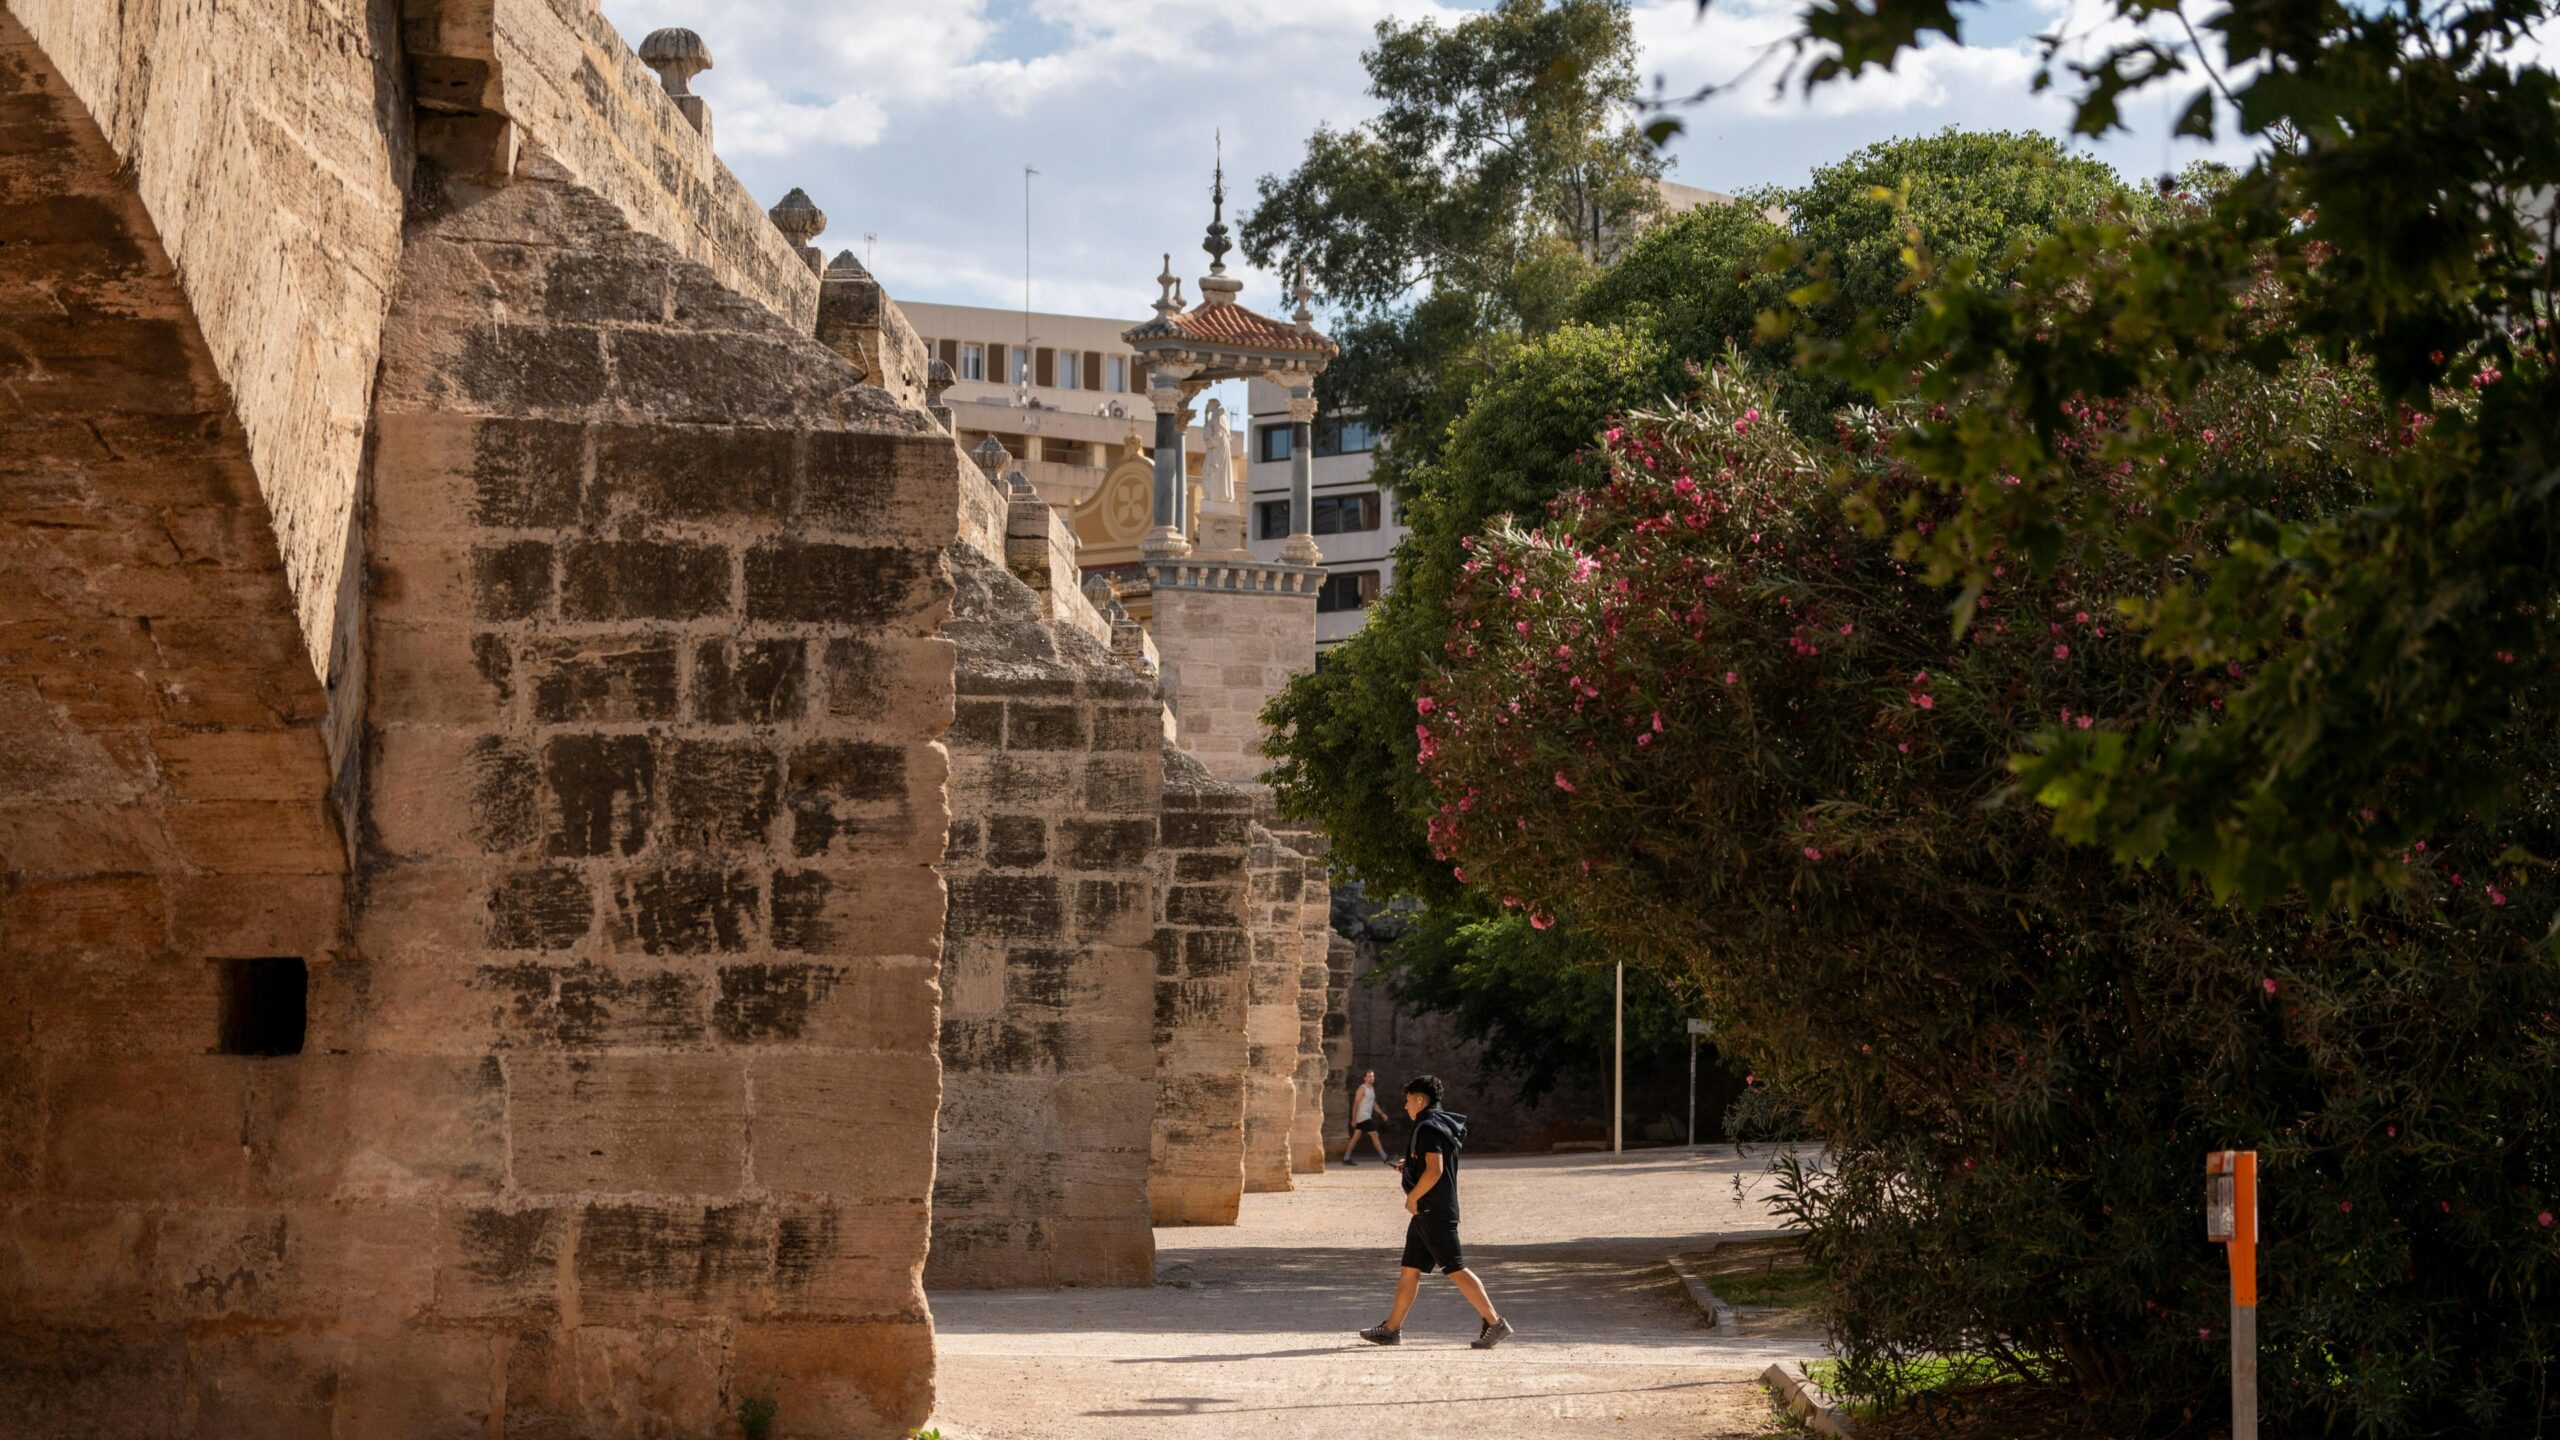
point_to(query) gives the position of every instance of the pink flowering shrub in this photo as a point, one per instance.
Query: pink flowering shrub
(1699, 713)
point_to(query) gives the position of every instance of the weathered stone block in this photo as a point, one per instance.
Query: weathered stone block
(604, 678)
(653, 1260)
(686, 910)
(643, 580)
(659, 1124)
(808, 582)
(721, 795)
(547, 908)
(603, 790)
(749, 682)
(836, 1123)
(686, 472)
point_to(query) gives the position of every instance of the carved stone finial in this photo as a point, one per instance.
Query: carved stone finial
(1217, 244)
(1168, 288)
(992, 458)
(937, 378)
(1098, 588)
(1305, 315)
(1218, 287)
(801, 221)
(798, 217)
(1019, 485)
(677, 55)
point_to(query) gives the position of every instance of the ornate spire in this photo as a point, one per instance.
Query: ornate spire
(1217, 244)
(1168, 293)
(1305, 315)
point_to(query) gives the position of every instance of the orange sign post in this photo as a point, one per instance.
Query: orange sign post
(2231, 1220)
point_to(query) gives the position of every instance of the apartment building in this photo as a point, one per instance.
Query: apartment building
(1354, 522)
(1062, 392)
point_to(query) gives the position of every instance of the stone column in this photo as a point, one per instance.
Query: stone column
(1171, 534)
(1301, 546)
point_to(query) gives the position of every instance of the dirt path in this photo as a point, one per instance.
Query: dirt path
(1251, 1336)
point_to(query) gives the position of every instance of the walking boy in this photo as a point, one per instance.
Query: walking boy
(1431, 1198)
(1364, 1119)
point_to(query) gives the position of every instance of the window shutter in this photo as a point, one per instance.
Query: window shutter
(1092, 370)
(1044, 369)
(950, 354)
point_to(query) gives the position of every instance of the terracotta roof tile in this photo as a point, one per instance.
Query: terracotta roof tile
(1233, 324)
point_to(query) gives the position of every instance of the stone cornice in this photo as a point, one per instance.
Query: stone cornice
(1236, 576)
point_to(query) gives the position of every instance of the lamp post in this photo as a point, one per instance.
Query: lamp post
(1618, 1060)
(2231, 1221)
(1696, 1028)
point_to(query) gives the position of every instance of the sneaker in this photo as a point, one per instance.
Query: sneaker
(1495, 1332)
(1381, 1335)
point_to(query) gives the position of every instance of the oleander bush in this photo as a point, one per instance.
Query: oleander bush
(1702, 712)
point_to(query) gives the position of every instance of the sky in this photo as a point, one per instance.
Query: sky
(910, 121)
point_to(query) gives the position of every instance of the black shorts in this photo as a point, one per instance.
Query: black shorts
(1431, 1243)
(1369, 1126)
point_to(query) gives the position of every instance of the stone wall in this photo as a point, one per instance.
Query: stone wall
(654, 808)
(1314, 929)
(1048, 1053)
(1225, 652)
(267, 142)
(1279, 876)
(1204, 963)
(1340, 959)
(187, 1228)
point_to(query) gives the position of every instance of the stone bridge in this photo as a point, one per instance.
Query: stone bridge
(561, 847)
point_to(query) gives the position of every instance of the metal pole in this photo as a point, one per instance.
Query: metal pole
(1618, 1067)
(1693, 1087)
(2244, 1371)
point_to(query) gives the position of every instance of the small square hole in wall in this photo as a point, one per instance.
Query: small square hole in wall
(265, 1004)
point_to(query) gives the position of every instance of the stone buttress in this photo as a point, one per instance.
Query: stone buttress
(654, 808)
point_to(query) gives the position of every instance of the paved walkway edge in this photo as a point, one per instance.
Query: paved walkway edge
(1803, 1399)
(1705, 1299)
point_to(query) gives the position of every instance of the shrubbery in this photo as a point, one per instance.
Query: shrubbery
(1705, 717)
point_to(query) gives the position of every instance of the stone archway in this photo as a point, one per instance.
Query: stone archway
(171, 872)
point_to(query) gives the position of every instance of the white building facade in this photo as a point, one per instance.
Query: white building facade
(1354, 522)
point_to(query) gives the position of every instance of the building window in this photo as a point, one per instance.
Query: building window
(1344, 436)
(1345, 514)
(1273, 443)
(1070, 370)
(1347, 590)
(1115, 374)
(973, 362)
(1271, 520)
(265, 1005)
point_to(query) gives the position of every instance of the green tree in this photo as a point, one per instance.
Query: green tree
(1704, 718)
(2401, 189)
(1504, 164)
(1685, 291)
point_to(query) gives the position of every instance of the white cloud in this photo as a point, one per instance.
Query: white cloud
(911, 120)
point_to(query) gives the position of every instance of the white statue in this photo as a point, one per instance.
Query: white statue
(1217, 467)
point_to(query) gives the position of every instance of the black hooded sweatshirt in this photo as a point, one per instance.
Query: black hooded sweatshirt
(1443, 1133)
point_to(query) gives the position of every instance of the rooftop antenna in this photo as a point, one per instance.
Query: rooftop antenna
(1025, 371)
(871, 251)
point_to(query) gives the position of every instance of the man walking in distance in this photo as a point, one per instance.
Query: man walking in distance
(1364, 1119)
(1431, 1198)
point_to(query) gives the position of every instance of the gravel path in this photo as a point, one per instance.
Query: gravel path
(1250, 1334)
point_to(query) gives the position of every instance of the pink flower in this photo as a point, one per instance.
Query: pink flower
(2061, 652)
(1539, 922)
(1925, 702)
(1563, 784)
(1730, 677)
(1903, 745)
(2084, 721)
(1657, 722)
(2082, 617)
(1520, 625)
(2346, 1207)
(1644, 739)
(2497, 896)
(2268, 984)
(1812, 854)
(1426, 704)
(2543, 1219)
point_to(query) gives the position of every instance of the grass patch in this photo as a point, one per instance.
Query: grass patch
(1769, 1273)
